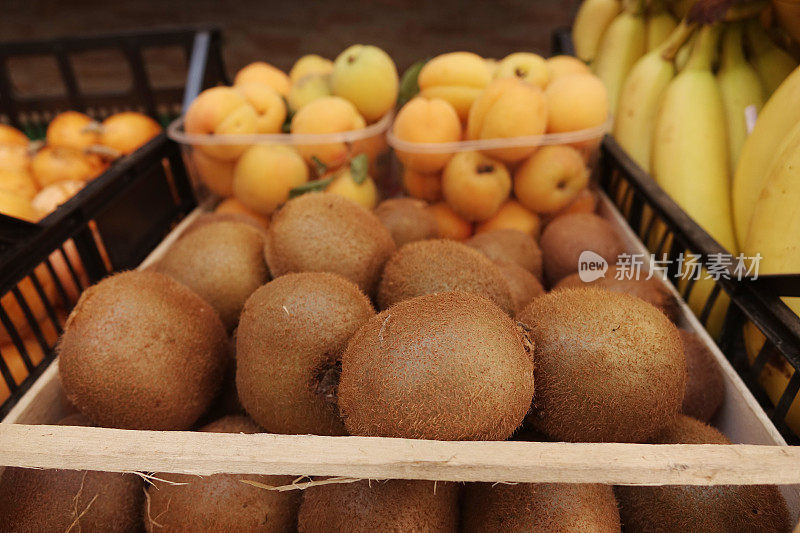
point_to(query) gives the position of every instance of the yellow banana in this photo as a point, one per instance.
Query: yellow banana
(741, 89)
(779, 115)
(772, 62)
(690, 156)
(622, 44)
(591, 22)
(660, 25)
(682, 57)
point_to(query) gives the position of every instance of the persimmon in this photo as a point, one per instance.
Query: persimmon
(19, 182)
(11, 135)
(72, 129)
(127, 131)
(15, 157)
(58, 163)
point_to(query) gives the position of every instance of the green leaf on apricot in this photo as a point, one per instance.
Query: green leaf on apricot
(409, 87)
(320, 168)
(311, 186)
(359, 167)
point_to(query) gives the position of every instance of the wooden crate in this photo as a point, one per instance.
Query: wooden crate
(760, 456)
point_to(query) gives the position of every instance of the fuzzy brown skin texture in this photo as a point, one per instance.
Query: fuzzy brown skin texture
(53, 500)
(439, 265)
(291, 329)
(567, 236)
(705, 386)
(609, 366)
(539, 507)
(142, 351)
(510, 245)
(323, 232)
(223, 262)
(407, 219)
(370, 506)
(212, 218)
(650, 290)
(221, 502)
(523, 285)
(446, 366)
(714, 509)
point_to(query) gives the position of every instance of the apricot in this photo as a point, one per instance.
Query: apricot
(475, 186)
(71, 129)
(550, 179)
(221, 111)
(513, 215)
(310, 64)
(366, 76)
(424, 120)
(19, 182)
(576, 102)
(330, 114)
(216, 174)
(457, 77)
(508, 108)
(11, 135)
(125, 132)
(264, 73)
(268, 104)
(59, 163)
(265, 174)
(307, 89)
(17, 206)
(559, 66)
(234, 205)
(49, 198)
(584, 202)
(450, 224)
(15, 157)
(426, 187)
(524, 66)
(364, 193)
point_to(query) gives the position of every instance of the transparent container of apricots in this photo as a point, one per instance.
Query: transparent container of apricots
(266, 164)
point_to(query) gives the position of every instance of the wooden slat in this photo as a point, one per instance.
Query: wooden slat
(380, 458)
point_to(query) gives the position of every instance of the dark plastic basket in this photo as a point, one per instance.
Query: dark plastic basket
(758, 301)
(116, 219)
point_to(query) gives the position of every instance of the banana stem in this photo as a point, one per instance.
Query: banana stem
(676, 39)
(705, 48)
(732, 50)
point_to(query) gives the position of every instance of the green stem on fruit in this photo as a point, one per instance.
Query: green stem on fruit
(320, 168)
(732, 49)
(705, 48)
(678, 37)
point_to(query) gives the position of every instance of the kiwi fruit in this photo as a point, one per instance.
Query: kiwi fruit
(523, 285)
(33, 500)
(323, 232)
(142, 351)
(652, 291)
(445, 366)
(407, 219)
(223, 262)
(290, 336)
(367, 506)
(509, 245)
(566, 237)
(705, 385)
(701, 508)
(426, 267)
(211, 218)
(609, 366)
(539, 507)
(221, 502)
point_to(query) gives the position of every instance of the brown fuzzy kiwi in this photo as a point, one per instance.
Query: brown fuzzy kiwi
(609, 366)
(323, 232)
(407, 219)
(538, 507)
(212, 218)
(290, 336)
(142, 351)
(439, 265)
(221, 502)
(567, 236)
(705, 385)
(223, 262)
(652, 291)
(34, 500)
(368, 506)
(523, 285)
(510, 245)
(445, 366)
(699, 508)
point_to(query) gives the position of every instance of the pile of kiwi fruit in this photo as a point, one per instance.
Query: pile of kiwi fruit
(335, 320)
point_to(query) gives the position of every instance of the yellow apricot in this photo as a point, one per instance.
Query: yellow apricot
(366, 76)
(221, 111)
(450, 224)
(424, 120)
(265, 174)
(268, 104)
(512, 215)
(576, 102)
(524, 66)
(559, 66)
(310, 64)
(475, 186)
(307, 89)
(550, 179)
(330, 114)
(216, 174)
(457, 77)
(426, 187)
(364, 193)
(264, 73)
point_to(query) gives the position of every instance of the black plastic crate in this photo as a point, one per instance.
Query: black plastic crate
(116, 219)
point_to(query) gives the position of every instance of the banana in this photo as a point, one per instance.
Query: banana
(772, 62)
(622, 44)
(690, 157)
(682, 57)
(591, 22)
(660, 25)
(741, 88)
(779, 115)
